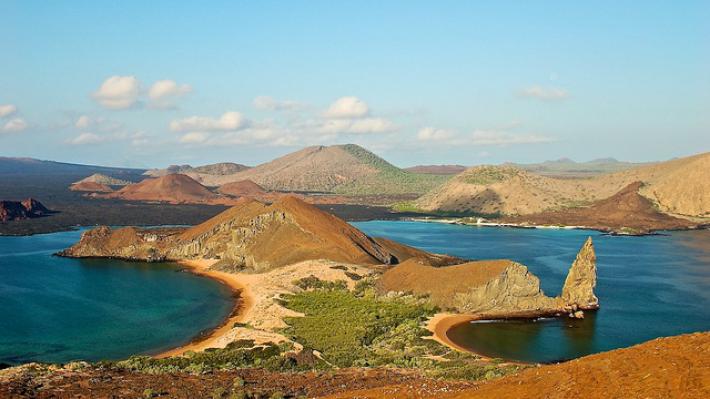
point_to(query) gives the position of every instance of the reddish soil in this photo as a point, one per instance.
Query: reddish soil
(94, 383)
(625, 211)
(19, 210)
(675, 367)
(91, 187)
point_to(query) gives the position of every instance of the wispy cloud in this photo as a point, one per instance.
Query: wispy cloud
(545, 93)
(272, 104)
(7, 110)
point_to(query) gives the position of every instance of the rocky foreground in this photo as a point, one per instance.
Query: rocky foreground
(676, 367)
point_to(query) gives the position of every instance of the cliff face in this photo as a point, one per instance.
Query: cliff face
(514, 290)
(497, 288)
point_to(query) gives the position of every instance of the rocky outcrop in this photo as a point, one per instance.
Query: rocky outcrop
(581, 279)
(18, 210)
(514, 290)
(498, 288)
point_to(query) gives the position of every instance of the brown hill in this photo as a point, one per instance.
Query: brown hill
(250, 235)
(343, 169)
(91, 187)
(174, 189)
(242, 188)
(18, 210)
(501, 190)
(437, 169)
(626, 211)
(680, 186)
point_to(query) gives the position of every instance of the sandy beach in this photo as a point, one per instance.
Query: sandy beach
(244, 305)
(440, 323)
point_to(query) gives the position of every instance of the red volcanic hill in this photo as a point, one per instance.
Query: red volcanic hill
(17, 210)
(242, 188)
(174, 189)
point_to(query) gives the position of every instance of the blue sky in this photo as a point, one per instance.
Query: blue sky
(147, 84)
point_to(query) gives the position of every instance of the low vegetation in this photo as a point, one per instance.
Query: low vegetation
(360, 328)
(340, 328)
(486, 175)
(390, 180)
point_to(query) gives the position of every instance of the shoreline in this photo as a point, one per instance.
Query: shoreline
(441, 323)
(603, 230)
(243, 305)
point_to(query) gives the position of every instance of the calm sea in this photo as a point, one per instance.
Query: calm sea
(648, 287)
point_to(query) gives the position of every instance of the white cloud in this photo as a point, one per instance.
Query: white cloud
(347, 107)
(228, 121)
(357, 126)
(434, 134)
(163, 93)
(7, 110)
(118, 92)
(502, 138)
(86, 138)
(14, 125)
(194, 138)
(83, 122)
(545, 93)
(272, 104)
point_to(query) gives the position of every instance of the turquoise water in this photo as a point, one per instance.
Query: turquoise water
(648, 287)
(57, 309)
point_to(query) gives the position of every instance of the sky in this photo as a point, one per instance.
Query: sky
(149, 84)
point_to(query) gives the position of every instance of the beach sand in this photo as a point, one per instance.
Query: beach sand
(440, 323)
(257, 307)
(242, 308)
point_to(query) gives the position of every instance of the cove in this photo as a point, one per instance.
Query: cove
(55, 309)
(648, 286)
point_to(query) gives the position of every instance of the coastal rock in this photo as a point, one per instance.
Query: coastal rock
(498, 288)
(581, 279)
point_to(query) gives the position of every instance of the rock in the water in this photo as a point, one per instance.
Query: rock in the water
(581, 279)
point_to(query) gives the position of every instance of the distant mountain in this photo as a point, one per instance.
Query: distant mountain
(90, 187)
(100, 178)
(243, 188)
(172, 188)
(31, 166)
(505, 190)
(343, 169)
(222, 168)
(565, 167)
(680, 186)
(625, 212)
(437, 169)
